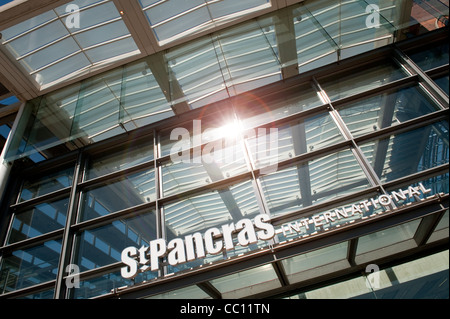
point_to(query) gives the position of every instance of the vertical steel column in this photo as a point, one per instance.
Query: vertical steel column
(68, 235)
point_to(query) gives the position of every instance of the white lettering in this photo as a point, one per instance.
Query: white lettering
(130, 271)
(267, 231)
(247, 235)
(157, 250)
(212, 248)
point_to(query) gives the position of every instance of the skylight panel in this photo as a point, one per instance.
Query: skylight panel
(172, 19)
(64, 42)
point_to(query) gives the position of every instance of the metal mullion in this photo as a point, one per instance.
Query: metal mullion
(320, 207)
(31, 30)
(404, 126)
(440, 70)
(159, 190)
(41, 199)
(306, 157)
(16, 294)
(208, 288)
(284, 250)
(426, 228)
(115, 176)
(67, 240)
(30, 242)
(281, 273)
(425, 81)
(404, 82)
(107, 219)
(304, 114)
(209, 187)
(368, 170)
(422, 175)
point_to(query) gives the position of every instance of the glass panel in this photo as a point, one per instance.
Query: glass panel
(227, 7)
(386, 109)
(40, 219)
(191, 292)
(98, 105)
(173, 19)
(294, 266)
(342, 290)
(295, 138)
(54, 36)
(38, 186)
(318, 180)
(103, 245)
(61, 69)
(216, 165)
(209, 130)
(259, 111)
(37, 38)
(431, 56)
(30, 266)
(441, 231)
(198, 213)
(101, 285)
(142, 97)
(195, 68)
(50, 54)
(136, 189)
(423, 278)
(172, 28)
(131, 154)
(346, 84)
(101, 34)
(247, 282)
(443, 82)
(387, 237)
(121, 48)
(47, 294)
(407, 153)
(249, 60)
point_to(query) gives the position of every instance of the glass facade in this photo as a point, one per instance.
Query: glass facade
(125, 167)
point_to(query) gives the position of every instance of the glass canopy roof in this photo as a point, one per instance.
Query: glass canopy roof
(68, 39)
(222, 64)
(170, 20)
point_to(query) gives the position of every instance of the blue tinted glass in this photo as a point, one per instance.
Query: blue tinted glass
(103, 245)
(38, 220)
(30, 266)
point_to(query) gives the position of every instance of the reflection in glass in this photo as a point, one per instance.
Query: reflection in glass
(313, 182)
(387, 237)
(130, 155)
(103, 245)
(386, 109)
(213, 209)
(410, 152)
(431, 56)
(38, 186)
(37, 220)
(191, 292)
(247, 282)
(443, 83)
(345, 84)
(104, 284)
(136, 189)
(222, 162)
(256, 112)
(294, 266)
(30, 266)
(293, 139)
